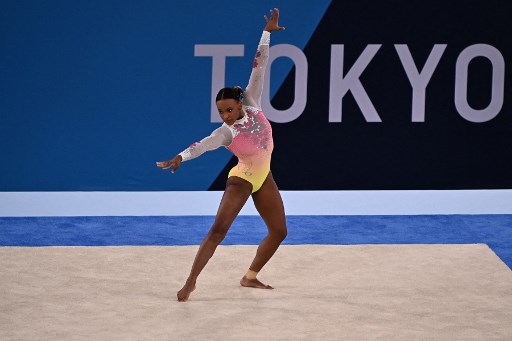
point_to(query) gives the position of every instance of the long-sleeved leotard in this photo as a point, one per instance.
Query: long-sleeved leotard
(249, 138)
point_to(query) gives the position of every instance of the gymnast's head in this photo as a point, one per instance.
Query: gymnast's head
(229, 103)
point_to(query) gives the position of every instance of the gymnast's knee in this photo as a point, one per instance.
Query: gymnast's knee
(280, 234)
(217, 233)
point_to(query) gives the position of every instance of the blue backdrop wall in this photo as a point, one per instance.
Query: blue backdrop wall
(384, 95)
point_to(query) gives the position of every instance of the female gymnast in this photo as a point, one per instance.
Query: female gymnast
(246, 133)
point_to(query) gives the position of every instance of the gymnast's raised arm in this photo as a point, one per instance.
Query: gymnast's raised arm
(252, 95)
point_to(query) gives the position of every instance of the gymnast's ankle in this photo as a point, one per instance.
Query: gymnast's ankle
(251, 274)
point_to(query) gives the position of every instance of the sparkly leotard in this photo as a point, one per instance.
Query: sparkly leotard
(253, 146)
(249, 138)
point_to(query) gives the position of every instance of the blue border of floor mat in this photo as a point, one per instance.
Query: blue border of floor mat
(493, 230)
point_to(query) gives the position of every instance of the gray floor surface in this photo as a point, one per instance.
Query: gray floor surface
(357, 292)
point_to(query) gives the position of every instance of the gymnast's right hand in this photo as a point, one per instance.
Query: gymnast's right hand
(174, 163)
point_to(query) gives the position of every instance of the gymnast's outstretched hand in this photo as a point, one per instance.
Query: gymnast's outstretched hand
(174, 163)
(273, 23)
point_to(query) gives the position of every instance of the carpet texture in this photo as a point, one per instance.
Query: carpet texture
(493, 230)
(363, 292)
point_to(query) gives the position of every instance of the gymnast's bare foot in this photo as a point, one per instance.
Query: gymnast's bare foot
(185, 292)
(253, 283)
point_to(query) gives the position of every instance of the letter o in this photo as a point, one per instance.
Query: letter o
(461, 83)
(301, 81)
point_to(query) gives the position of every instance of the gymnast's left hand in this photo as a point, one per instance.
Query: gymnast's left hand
(272, 24)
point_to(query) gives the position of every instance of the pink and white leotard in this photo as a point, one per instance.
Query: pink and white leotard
(249, 138)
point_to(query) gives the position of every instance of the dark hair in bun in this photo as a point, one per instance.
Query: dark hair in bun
(235, 93)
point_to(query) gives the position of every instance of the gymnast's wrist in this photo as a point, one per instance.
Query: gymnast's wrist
(183, 155)
(265, 38)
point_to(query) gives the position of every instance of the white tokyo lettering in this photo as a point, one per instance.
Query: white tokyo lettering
(218, 54)
(301, 84)
(341, 83)
(461, 83)
(419, 80)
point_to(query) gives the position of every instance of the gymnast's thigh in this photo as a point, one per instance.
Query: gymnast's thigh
(269, 204)
(234, 198)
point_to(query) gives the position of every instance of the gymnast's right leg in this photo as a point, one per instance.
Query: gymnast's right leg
(235, 195)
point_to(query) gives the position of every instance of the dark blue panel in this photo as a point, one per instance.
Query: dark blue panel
(446, 150)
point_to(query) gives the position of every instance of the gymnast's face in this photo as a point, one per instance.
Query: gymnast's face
(230, 110)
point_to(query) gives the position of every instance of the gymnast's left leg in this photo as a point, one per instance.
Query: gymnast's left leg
(269, 204)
